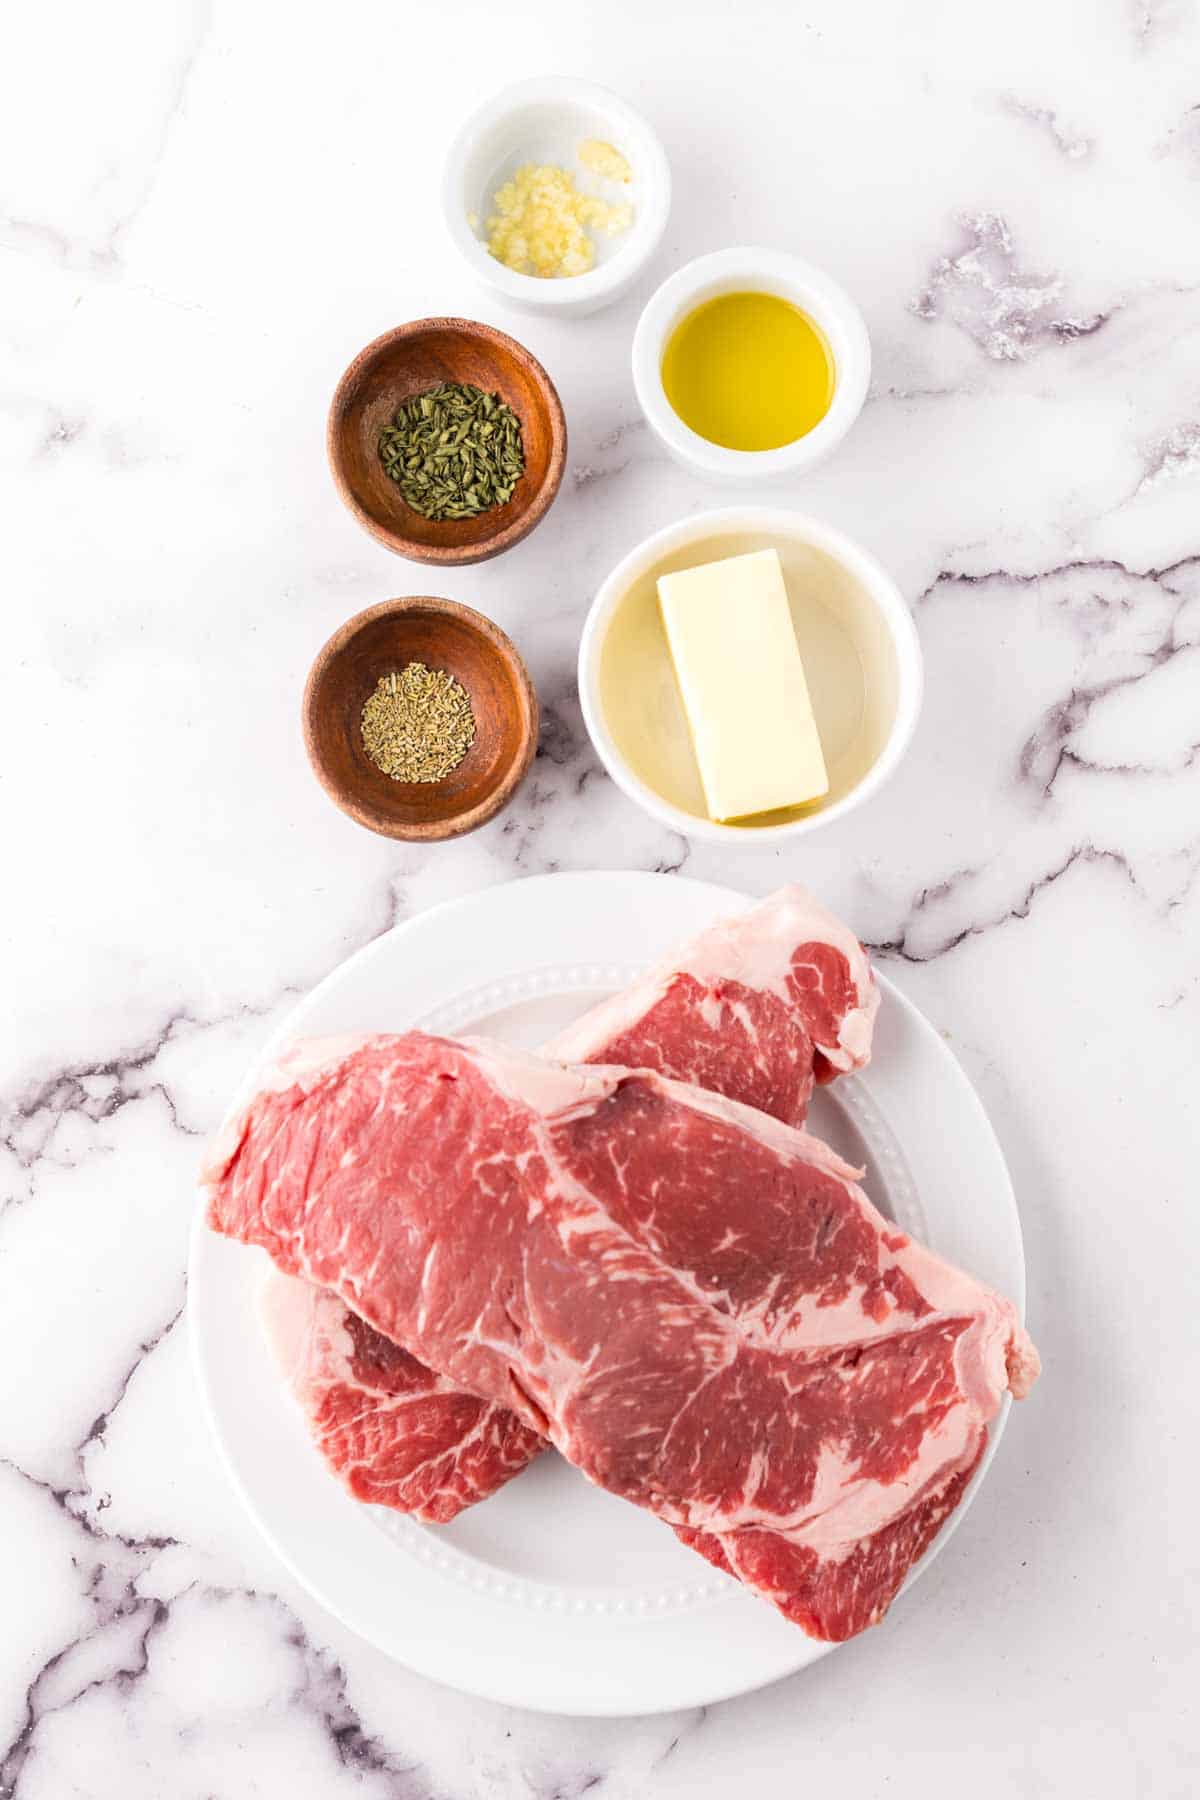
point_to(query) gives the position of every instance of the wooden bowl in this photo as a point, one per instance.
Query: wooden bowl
(407, 361)
(442, 635)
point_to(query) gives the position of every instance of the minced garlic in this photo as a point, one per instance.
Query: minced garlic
(539, 225)
(604, 159)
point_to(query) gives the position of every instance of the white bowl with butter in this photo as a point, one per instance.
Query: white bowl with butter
(544, 122)
(752, 270)
(862, 672)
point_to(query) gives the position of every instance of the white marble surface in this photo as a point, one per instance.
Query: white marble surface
(203, 214)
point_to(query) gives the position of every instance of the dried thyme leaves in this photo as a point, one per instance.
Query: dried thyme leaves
(418, 724)
(454, 451)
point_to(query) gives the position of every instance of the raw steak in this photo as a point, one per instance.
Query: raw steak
(394, 1432)
(693, 1301)
(752, 1008)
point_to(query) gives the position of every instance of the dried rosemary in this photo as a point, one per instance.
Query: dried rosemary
(454, 451)
(418, 724)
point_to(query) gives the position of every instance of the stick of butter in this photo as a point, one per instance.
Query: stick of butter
(742, 681)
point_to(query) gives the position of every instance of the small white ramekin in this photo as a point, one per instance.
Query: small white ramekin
(759, 528)
(751, 270)
(544, 121)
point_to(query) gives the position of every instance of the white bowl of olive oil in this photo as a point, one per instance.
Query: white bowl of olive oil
(856, 638)
(751, 363)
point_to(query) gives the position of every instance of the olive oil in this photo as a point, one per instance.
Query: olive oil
(748, 371)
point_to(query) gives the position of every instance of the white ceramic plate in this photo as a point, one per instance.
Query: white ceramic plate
(553, 1594)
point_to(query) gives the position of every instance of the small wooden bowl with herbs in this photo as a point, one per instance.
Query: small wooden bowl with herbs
(447, 440)
(420, 719)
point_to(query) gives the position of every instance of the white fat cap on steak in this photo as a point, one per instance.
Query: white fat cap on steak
(755, 948)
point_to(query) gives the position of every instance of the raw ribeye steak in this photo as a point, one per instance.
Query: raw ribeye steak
(753, 1008)
(693, 1301)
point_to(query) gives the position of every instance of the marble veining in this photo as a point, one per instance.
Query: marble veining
(1008, 313)
(1175, 455)
(1072, 144)
(201, 219)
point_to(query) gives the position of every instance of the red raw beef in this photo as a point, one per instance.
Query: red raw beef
(395, 1433)
(753, 1008)
(693, 1301)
